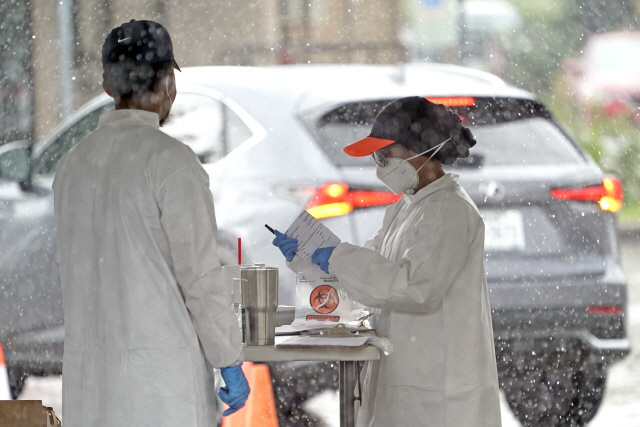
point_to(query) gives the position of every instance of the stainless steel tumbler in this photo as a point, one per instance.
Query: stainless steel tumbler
(259, 304)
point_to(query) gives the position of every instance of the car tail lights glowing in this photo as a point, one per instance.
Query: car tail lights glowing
(453, 101)
(336, 198)
(604, 310)
(608, 195)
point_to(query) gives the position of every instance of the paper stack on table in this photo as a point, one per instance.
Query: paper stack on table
(295, 328)
(303, 341)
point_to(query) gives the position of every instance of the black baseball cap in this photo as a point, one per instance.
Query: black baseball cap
(413, 122)
(143, 42)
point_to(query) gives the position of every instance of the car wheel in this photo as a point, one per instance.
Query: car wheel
(17, 379)
(555, 397)
(296, 382)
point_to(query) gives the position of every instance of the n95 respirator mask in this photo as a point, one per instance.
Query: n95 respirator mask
(399, 176)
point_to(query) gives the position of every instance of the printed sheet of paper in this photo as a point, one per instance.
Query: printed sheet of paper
(311, 235)
(303, 326)
(304, 341)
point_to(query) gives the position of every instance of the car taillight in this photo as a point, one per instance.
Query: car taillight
(604, 310)
(336, 198)
(453, 101)
(608, 195)
(616, 107)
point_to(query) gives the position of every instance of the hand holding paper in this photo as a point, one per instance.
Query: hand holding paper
(320, 300)
(311, 235)
(287, 245)
(321, 258)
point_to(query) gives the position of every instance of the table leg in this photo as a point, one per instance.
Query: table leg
(347, 397)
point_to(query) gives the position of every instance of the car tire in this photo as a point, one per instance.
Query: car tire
(560, 396)
(296, 382)
(17, 379)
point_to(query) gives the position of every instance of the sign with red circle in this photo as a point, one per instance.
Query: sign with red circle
(324, 299)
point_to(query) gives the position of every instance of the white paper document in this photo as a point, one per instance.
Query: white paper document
(323, 341)
(303, 326)
(311, 235)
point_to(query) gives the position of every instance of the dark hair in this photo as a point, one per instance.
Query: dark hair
(128, 78)
(439, 125)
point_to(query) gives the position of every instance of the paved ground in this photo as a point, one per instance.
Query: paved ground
(621, 406)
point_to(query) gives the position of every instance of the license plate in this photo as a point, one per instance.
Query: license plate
(504, 230)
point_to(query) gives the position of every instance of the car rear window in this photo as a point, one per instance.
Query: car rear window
(508, 132)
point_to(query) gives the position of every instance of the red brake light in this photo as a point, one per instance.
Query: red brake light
(604, 309)
(608, 195)
(335, 199)
(453, 101)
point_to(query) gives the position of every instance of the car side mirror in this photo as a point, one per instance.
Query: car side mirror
(15, 162)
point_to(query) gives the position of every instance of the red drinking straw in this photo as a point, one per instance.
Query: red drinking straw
(239, 251)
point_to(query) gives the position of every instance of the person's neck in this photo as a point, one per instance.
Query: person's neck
(430, 172)
(130, 105)
(144, 102)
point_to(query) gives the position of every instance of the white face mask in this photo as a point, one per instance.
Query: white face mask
(399, 176)
(167, 100)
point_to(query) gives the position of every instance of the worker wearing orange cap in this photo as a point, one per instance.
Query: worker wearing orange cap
(423, 274)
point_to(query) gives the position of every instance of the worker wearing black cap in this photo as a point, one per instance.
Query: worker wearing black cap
(138, 63)
(424, 275)
(146, 310)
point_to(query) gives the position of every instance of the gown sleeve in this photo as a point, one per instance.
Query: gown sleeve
(435, 254)
(298, 265)
(374, 243)
(188, 219)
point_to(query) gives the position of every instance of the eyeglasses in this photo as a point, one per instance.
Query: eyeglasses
(379, 156)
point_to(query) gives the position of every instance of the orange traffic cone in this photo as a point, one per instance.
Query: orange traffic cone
(260, 409)
(5, 391)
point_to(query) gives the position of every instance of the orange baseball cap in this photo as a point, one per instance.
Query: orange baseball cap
(366, 146)
(412, 121)
(392, 124)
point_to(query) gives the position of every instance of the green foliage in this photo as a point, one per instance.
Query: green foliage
(630, 214)
(541, 9)
(612, 140)
(554, 30)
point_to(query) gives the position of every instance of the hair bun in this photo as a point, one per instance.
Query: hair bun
(461, 141)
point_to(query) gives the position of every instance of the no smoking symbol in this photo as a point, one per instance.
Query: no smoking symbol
(324, 299)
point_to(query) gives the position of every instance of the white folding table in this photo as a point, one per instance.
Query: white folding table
(348, 358)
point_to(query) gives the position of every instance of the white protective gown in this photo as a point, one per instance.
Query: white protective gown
(424, 273)
(146, 312)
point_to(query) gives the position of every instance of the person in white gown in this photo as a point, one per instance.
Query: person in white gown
(424, 275)
(147, 313)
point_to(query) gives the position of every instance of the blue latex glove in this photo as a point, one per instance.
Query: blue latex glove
(236, 391)
(321, 258)
(287, 246)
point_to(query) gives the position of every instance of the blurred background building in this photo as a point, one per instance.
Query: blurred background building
(55, 45)
(16, 94)
(50, 63)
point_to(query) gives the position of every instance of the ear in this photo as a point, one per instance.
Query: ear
(410, 152)
(106, 89)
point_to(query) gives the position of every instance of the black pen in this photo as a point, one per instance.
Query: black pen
(270, 229)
